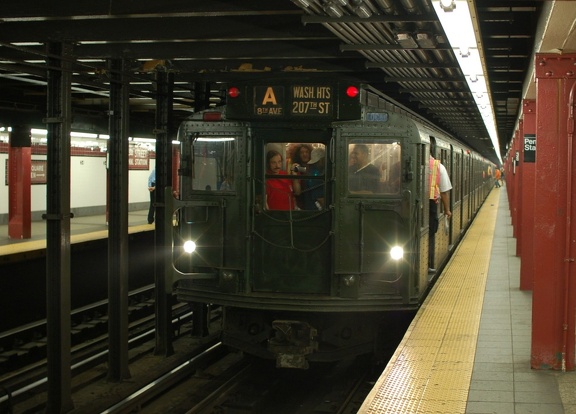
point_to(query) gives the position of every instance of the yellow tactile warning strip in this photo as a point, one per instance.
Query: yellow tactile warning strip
(32, 245)
(431, 369)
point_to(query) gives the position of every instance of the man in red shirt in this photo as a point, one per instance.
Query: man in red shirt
(280, 192)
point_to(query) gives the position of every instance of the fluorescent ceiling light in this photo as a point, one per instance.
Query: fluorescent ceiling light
(215, 139)
(38, 131)
(83, 135)
(149, 140)
(456, 19)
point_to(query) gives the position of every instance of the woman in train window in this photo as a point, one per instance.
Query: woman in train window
(302, 154)
(280, 192)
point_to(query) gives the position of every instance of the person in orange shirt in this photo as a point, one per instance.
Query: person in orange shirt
(439, 185)
(497, 176)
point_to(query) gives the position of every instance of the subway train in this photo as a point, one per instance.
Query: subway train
(303, 215)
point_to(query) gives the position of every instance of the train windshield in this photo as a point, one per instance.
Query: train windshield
(374, 167)
(295, 176)
(213, 163)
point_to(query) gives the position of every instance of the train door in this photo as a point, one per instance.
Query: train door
(212, 210)
(291, 235)
(373, 215)
(458, 192)
(422, 215)
(469, 175)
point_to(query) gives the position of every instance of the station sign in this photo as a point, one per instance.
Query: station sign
(138, 158)
(529, 147)
(38, 172)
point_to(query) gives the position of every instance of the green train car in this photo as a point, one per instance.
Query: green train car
(303, 213)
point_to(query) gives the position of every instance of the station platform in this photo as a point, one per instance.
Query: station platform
(468, 347)
(82, 228)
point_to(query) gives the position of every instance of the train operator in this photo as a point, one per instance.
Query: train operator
(363, 176)
(439, 185)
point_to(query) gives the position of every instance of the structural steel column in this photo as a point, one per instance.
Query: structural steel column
(553, 299)
(528, 160)
(119, 121)
(512, 179)
(163, 243)
(521, 184)
(57, 217)
(19, 171)
(512, 198)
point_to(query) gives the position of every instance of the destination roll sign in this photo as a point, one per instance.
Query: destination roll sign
(294, 101)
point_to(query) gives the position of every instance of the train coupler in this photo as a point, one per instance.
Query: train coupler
(292, 342)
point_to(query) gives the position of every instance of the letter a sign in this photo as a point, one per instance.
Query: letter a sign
(268, 101)
(269, 97)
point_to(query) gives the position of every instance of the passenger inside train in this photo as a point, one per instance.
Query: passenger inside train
(374, 168)
(280, 192)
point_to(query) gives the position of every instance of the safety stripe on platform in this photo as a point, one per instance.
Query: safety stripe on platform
(431, 369)
(33, 245)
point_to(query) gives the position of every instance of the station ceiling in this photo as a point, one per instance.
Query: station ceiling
(206, 43)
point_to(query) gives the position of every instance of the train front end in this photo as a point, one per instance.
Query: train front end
(301, 220)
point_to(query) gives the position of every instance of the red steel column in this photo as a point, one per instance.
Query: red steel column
(509, 177)
(512, 181)
(553, 299)
(19, 183)
(515, 191)
(528, 162)
(520, 191)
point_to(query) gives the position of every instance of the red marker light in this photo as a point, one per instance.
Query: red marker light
(212, 116)
(233, 92)
(352, 91)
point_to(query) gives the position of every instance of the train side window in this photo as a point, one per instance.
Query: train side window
(374, 167)
(213, 163)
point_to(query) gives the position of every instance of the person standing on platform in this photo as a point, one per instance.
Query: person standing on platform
(439, 185)
(497, 176)
(152, 190)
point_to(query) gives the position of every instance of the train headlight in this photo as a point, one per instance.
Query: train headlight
(396, 253)
(189, 246)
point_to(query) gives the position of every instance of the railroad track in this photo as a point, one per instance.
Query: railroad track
(26, 345)
(236, 384)
(26, 384)
(201, 377)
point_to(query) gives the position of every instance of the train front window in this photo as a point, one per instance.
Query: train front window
(213, 163)
(374, 167)
(295, 176)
